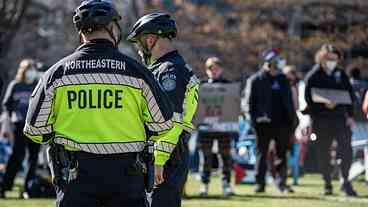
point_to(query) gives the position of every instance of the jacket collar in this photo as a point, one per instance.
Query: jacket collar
(168, 57)
(96, 43)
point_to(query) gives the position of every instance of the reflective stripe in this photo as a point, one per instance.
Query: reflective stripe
(177, 117)
(101, 148)
(36, 131)
(158, 127)
(194, 81)
(119, 79)
(153, 107)
(165, 147)
(159, 123)
(186, 128)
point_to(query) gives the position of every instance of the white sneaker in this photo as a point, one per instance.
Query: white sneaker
(227, 190)
(203, 191)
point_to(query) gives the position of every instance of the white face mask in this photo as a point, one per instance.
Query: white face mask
(331, 65)
(281, 64)
(31, 76)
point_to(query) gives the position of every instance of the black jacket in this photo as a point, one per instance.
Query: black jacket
(16, 100)
(90, 82)
(317, 78)
(177, 79)
(257, 100)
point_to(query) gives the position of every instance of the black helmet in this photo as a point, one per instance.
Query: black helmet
(273, 57)
(155, 23)
(92, 14)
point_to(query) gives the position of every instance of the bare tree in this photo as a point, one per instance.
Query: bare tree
(11, 13)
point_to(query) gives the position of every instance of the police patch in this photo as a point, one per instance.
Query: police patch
(169, 82)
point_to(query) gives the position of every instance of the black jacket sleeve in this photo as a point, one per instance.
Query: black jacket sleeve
(293, 118)
(8, 101)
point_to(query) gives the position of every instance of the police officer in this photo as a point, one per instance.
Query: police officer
(331, 120)
(153, 33)
(97, 103)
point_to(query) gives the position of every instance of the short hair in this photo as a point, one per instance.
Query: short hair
(24, 65)
(326, 48)
(212, 61)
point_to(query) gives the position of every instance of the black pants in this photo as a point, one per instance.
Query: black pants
(265, 133)
(327, 130)
(168, 194)
(104, 181)
(205, 146)
(21, 143)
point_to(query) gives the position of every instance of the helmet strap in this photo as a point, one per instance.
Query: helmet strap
(147, 52)
(111, 34)
(80, 37)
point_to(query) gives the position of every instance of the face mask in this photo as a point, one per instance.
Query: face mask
(331, 65)
(281, 64)
(30, 76)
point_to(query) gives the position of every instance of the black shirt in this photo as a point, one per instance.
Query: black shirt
(337, 80)
(278, 111)
(16, 99)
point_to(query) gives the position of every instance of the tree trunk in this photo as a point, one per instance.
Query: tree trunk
(12, 13)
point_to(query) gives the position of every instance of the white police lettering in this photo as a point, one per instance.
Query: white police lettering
(95, 64)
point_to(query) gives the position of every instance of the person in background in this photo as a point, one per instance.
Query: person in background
(268, 104)
(291, 74)
(214, 72)
(331, 120)
(356, 80)
(15, 106)
(360, 87)
(365, 105)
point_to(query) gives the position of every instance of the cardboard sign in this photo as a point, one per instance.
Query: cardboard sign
(219, 106)
(326, 96)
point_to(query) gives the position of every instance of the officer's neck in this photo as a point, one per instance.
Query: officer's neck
(162, 48)
(95, 36)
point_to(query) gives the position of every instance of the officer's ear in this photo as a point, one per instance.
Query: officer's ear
(82, 37)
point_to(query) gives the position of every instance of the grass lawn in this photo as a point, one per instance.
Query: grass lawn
(308, 194)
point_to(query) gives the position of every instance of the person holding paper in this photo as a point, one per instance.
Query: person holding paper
(214, 71)
(329, 96)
